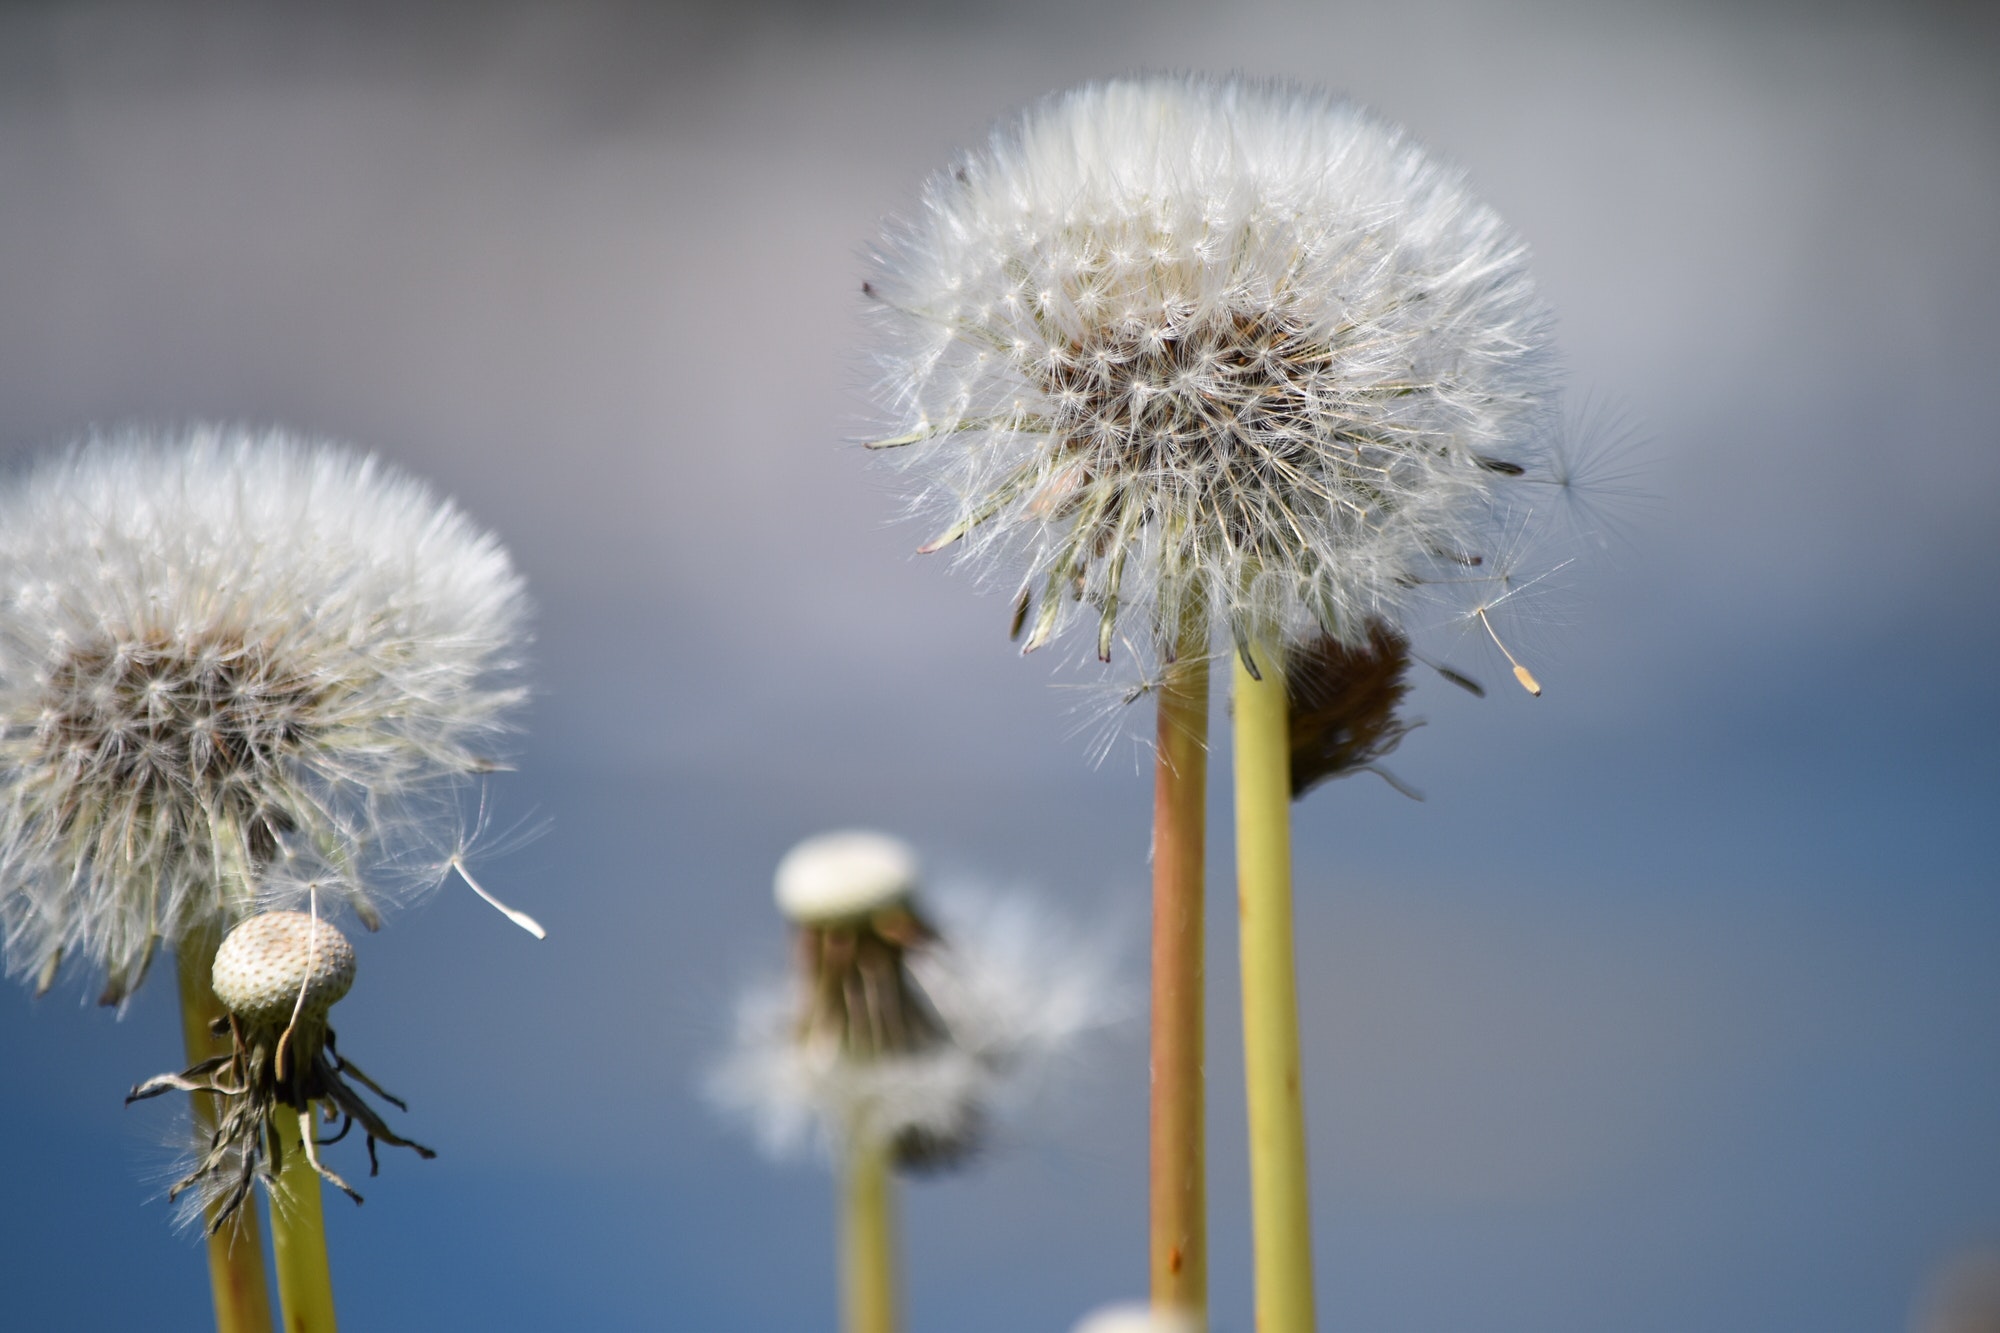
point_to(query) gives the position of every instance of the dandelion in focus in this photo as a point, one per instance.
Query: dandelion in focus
(237, 671)
(898, 1042)
(1242, 362)
(229, 663)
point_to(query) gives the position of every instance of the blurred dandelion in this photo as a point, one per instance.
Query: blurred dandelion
(1246, 364)
(1961, 1295)
(1135, 1318)
(896, 1044)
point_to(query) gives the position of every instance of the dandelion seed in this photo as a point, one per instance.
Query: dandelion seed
(229, 663)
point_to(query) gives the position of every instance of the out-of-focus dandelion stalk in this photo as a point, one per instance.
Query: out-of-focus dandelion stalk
(1178, 1253)
(298, 1235)
(895, 1044)
(867, 1237)
(1281, 1219)
(236, 1250)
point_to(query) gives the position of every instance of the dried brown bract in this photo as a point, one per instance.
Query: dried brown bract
(1343, 705)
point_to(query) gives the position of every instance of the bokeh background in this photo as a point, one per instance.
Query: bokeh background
(1676, 1006)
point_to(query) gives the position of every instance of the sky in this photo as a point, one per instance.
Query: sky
(1673, 1006)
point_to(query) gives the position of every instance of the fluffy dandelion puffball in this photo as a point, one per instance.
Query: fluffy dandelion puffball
(1175, 341)
(234, 668)
(907, 1033)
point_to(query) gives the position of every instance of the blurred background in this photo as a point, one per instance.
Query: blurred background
(1675, 1006)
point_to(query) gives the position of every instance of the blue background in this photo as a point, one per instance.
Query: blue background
(1674, 1007)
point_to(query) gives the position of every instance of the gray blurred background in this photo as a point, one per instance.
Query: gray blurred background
(1676, 1006)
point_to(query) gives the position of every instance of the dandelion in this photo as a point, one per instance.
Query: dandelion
(237, 671)
(276, 976)
(1134, 1318)
(228, 663)
(897, 1044)
(1244, 363)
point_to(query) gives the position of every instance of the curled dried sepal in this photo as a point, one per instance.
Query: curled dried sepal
(278, 974)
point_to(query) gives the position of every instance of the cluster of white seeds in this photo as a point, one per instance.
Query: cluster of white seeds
(1179, 340)
(231, 665)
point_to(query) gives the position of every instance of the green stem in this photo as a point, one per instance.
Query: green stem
(298, 1236)
(236, 1250)
(1178, 1253)
(868, 1238)
(1281, 1218)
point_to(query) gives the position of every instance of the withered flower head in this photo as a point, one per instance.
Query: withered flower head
(277, 974)
(892, 1029)
(1342, 706)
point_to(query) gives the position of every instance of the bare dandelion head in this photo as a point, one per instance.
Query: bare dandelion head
(278, 974)
(893, 1030)
(282, 964)
(229, 662)
(1175, 341)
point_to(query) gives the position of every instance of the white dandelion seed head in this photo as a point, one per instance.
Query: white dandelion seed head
(235, 668)
(845, 874)
(1182, 340)
(1016, 992)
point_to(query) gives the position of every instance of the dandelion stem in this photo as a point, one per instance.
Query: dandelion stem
(298, 1233)
(1281, 1217)
(236, 1250)
(868, 1238)
(1178, 1252)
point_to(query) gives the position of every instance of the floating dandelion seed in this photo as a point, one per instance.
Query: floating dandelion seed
(277, 975)
(229, 662)
(1185, 339)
